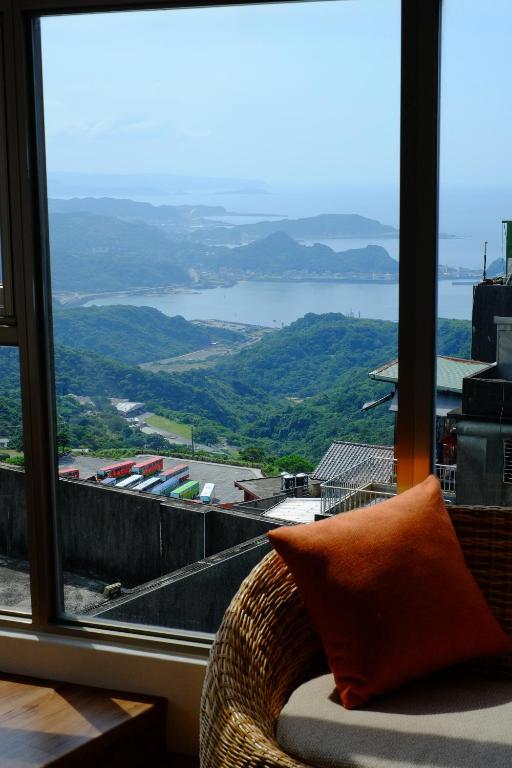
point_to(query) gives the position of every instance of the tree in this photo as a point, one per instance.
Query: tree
(252, 453)
(294, 463)
(206, 435)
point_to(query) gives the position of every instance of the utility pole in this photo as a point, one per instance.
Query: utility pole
(485, 259)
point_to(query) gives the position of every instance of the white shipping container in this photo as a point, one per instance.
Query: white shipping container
(128, 481)
(206, 494)
(146, 484)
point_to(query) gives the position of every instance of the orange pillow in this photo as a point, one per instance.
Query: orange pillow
(389, 592)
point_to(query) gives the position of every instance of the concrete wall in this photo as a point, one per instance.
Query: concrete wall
(489, 301)
(227, 529)
(117, 535)
(197, 600)
(13, 513)
(111, 535)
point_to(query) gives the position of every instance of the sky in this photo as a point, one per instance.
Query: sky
(304, 93)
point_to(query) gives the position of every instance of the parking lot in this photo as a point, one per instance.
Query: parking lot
(223, 475)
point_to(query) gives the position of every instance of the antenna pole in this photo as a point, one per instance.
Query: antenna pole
(485, 259)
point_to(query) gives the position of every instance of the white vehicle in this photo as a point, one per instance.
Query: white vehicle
(206, 494)
(129, 481)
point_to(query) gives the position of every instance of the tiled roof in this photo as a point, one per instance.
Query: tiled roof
(450, 372)
(342, 455)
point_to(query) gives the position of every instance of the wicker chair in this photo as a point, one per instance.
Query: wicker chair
(267, 646)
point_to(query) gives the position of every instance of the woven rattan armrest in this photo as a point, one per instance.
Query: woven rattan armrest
(265, 647)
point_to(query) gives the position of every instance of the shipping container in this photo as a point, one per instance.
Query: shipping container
(166, 486)
(180, 471)
(147, 483)
(127, 482)
(120, 469)
(206, 495)
(148, 466)
(71, 472)
(156, 489)
(108, 481)
(187, 491)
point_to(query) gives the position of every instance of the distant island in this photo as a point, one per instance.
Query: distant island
(324, 226)
(108, 245)
(70, 184)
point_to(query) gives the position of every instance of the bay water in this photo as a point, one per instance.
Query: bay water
(279, 303)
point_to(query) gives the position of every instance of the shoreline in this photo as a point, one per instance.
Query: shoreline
(72, 299)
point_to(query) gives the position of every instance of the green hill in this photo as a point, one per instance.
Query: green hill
(132, 334)
(323, 226)
(279, 253)
(100, 253)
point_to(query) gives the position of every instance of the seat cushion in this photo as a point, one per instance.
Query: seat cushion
(450, 720)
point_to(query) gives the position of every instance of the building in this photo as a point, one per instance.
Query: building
(450, 375)
(484, 428)
(128, 409)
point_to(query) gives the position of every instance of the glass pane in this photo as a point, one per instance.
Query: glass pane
(14, 569)
(223, 227)
(474, 416)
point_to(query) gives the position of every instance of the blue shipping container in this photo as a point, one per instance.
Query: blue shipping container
(165, 488)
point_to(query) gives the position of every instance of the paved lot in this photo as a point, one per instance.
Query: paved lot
(223, 475)
(80, 593)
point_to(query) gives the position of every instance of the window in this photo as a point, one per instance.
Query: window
(14, 566)
(475, 297)
(6, 294)
(223, 222)
(50, 427)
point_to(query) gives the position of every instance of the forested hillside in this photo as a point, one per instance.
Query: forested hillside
(279, 253)
(93, 253)
(294, 391)
(132, 334)
(101, 253)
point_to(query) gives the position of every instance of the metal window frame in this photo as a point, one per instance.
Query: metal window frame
(7, 313)
(28, 228)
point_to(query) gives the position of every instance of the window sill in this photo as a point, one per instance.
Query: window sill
(175, 673)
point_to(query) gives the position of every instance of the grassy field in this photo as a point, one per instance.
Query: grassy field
(160, 422)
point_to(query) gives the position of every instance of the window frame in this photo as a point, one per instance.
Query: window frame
(26, 219)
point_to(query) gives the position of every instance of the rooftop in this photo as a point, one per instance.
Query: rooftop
(341, 456)
(128, 407)
(297, 510)
(450, 372)
(260, 487)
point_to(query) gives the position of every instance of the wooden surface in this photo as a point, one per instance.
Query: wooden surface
(59, 724)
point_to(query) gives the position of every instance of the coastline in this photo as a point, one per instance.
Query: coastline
(68, 299)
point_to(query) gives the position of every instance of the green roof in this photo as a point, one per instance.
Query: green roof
(450, 372)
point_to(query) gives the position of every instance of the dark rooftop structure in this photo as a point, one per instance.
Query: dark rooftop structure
(260, 487)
